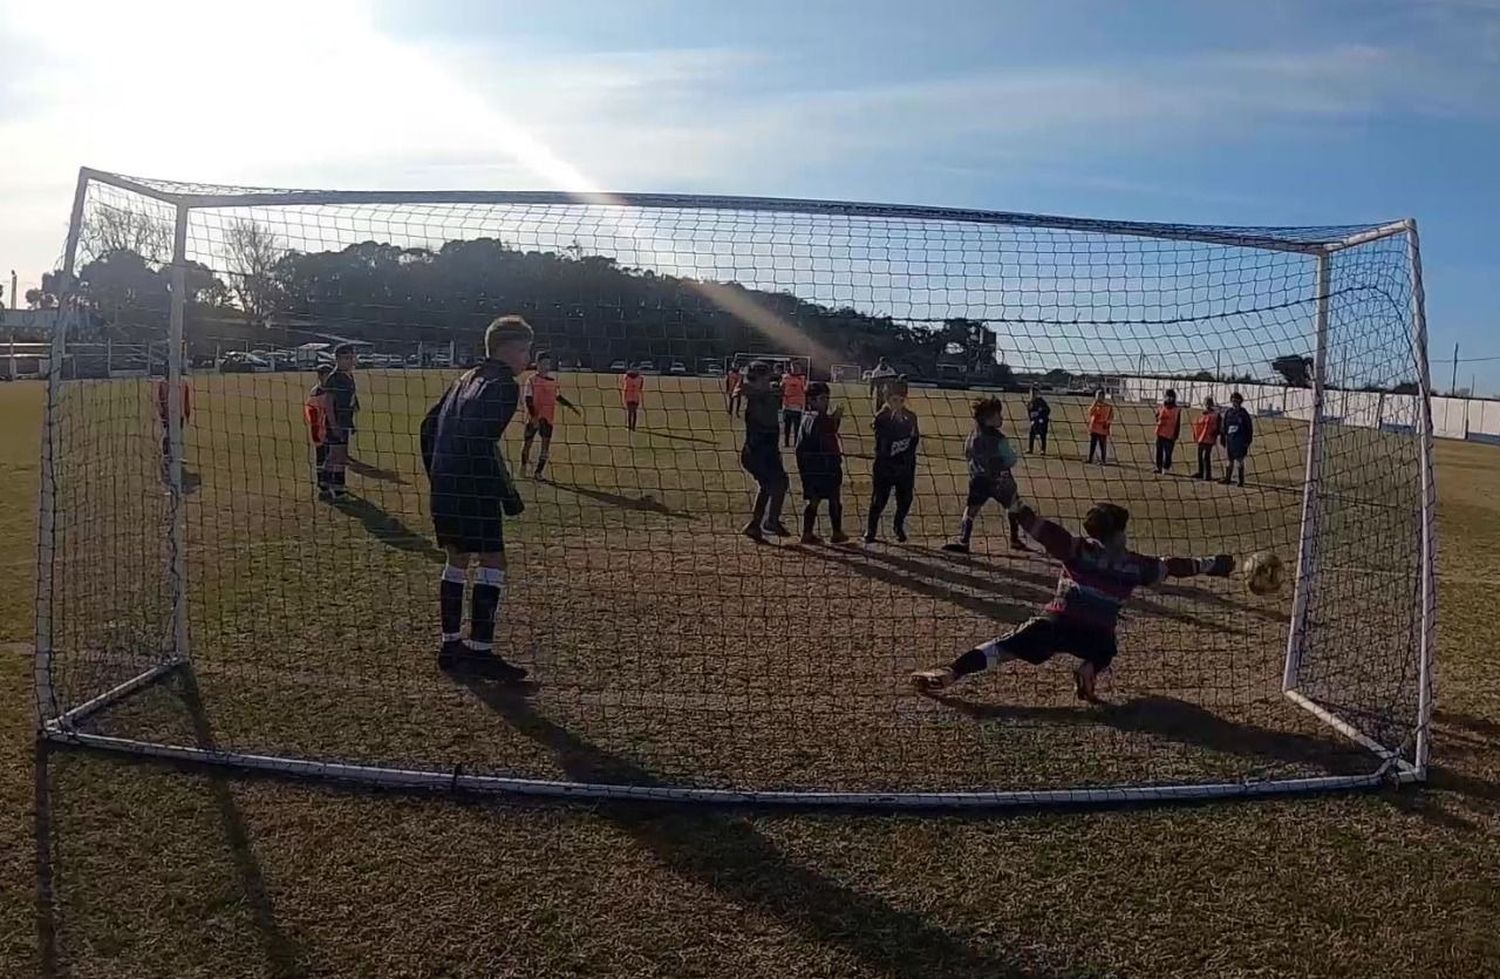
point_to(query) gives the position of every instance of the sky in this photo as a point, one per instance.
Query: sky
(1267, 113)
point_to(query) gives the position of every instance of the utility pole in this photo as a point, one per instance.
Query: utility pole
(12, 288)
(1454, 386)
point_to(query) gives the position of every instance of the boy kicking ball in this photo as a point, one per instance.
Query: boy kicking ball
(1099, 574)
(991, 459)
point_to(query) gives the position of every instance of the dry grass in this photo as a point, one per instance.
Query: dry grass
(153, 872)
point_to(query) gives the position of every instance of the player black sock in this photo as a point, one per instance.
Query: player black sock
(1015, 528)
(483, 606)
(836, 516)
(965, 529)
(809, 518)
(451, 601)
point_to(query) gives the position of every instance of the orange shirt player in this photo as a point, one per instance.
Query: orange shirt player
(734, 383)
(1101, 416)
(541, 395)
(793, 402)
(632, 384)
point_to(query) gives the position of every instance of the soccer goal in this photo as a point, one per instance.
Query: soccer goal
(222, 581)
(844, 372)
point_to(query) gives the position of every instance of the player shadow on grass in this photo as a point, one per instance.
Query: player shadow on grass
(989, 606)
(722, 849)
(388, 529)
(284, 956)
(1179, 721)
(1038, 587)
(375, 472)
(678, 438)
(624, 502)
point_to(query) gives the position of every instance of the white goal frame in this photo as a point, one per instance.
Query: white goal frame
(836, 373)
(62, 724)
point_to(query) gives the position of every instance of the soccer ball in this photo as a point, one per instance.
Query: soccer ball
(1262, 572)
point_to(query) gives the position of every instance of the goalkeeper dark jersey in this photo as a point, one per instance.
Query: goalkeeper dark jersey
(461, 433)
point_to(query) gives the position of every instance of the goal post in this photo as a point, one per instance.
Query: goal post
(180, 530)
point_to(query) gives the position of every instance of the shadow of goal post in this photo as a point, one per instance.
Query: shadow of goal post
(65, 723)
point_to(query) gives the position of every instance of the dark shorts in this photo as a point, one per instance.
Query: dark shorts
(539, 426)
(762, 460)
(1236, 453)
(1037, 640)
(791, 415)
(468, 524)
(982, 489)
(821, 486)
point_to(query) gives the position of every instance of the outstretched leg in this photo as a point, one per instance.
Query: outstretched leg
(1034, 642)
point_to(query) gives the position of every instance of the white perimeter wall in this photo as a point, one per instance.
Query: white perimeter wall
(1452, 418)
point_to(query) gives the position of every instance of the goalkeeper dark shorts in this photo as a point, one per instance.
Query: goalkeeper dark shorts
(982, 489)
(466, 514)
(1042, 637)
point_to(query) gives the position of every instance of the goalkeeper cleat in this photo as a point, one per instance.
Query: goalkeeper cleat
(929, 681)
(956, 547)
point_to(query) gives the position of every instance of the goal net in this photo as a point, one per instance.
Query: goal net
(844, 372)
(199, 598)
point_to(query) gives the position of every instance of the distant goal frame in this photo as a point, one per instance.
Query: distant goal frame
(61, 724)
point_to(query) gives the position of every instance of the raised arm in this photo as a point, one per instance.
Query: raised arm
(1218, 566)
(1055, 539)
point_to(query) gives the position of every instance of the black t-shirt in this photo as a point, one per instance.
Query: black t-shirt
(896, 439)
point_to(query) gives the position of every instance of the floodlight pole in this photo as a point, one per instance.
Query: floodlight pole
(1307, 545)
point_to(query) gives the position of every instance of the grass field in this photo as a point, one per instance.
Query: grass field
(670, 650)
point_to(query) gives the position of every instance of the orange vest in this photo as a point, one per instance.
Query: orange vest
(162, 405)
(1168, 421)
(1206, 428)
(794, 391)
(542, 390)
(315, 414)
(631, 388)
(1101, 416)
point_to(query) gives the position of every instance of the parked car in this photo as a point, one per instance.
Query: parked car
(678, 367)
(647, 367)
(619, 366)
(714, 370)
(239, 362)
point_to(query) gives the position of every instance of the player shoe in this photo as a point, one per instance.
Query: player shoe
(956, 547)
(810, 539)
(900, 534)
(479, 665)
(933, 680)
(1083, 689)
(752, 530)
(869, 540)
(1019, 545)
(839, 538)
(776, 529)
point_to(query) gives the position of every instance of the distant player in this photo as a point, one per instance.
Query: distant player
(734, 383)
(1237, 431)
(1205, 435)
(895, 466)
(820, 462)
(164, 414)
(315, 413)
(632, 385)
(761, 454)
(881, 376)
(1039, 414)
(470, 489)
(343, 405)
(542, 395)
(991, 459)
(1099, 574)
(793, 400)
(1168, 430)
(1101, 417)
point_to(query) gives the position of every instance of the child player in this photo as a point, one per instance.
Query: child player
(793, 400)
(1205, 434)
(542, 396)
(1168, 430)
(1101, 415)
(1237, 431)
(991, 459)
(895, 467)
(1099, 573)
(820, 462)
(343, 404)
(315, 412)
(734, 383)
(164, 414)
(761, 454)
(470, 489)
(632, 384)
(1040, 415)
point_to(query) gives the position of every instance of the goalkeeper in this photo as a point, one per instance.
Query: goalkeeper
(470, 489)
(1099, 574)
